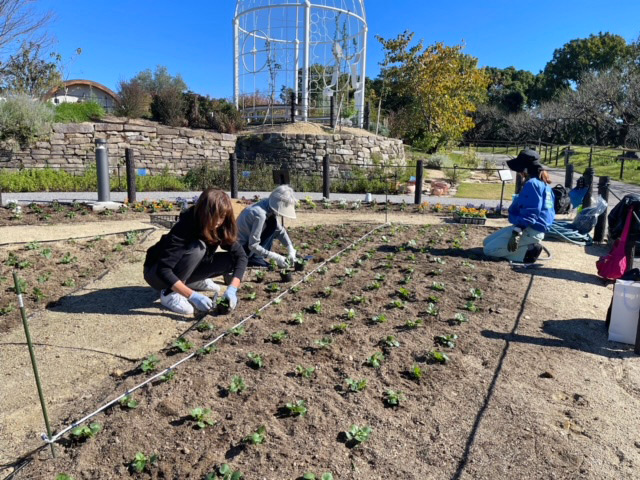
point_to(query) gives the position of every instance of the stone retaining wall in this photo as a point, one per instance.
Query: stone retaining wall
(71, 146)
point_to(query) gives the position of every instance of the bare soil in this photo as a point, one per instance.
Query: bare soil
(307, 128)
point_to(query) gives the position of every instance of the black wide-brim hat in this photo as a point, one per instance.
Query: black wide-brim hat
(525, 159)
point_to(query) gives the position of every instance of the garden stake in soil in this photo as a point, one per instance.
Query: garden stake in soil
(52, 439)
(23, 313)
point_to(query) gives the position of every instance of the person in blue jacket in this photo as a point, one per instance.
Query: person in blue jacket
(532, 213)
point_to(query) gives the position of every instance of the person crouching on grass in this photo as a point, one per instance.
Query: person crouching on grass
(185, 260)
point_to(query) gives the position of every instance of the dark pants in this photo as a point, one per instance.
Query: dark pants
(266, 242)
(192, 267)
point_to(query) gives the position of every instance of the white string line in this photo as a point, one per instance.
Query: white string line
(60, 434)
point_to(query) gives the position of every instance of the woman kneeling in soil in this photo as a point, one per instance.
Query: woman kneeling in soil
(185, 259)
(260, 224)
(531, 214)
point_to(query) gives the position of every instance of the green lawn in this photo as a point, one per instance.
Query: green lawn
(485, 191)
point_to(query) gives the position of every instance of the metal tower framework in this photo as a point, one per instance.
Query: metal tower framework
(310, 50)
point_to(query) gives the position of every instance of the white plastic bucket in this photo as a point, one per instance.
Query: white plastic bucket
(624, 313)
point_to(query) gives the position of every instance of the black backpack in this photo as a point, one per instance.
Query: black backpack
(562, 203)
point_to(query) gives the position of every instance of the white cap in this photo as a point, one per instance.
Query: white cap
(283, 201)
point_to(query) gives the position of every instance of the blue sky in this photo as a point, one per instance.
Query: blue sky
(193, 37)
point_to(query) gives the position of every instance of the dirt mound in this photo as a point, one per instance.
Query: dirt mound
(306, 128)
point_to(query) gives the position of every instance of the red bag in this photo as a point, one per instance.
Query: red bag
(614, 265)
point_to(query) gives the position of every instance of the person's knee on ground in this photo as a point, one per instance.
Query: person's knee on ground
(533, 253)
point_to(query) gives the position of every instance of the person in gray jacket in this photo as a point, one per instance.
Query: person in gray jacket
(260, 224)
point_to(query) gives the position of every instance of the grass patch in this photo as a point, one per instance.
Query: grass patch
(79, 112)
(485, 191)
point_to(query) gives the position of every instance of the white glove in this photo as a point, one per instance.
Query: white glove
(279, 259)
(292, 255)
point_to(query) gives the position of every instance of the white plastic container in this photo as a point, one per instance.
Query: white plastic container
(624, 313)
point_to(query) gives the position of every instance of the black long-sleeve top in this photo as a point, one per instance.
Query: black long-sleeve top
(172, 247)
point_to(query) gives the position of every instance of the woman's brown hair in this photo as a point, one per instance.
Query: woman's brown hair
(212, 208)
(545, 177)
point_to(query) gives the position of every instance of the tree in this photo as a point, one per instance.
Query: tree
(442, 85)
(510, 89)
(134, 100)
(19, 22)
(578, 57)
(27, 73)
(168, 103)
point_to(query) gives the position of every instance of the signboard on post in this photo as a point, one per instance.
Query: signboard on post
(505, 175)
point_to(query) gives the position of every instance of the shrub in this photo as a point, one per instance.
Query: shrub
(437, 161)
(206, 112)
(168, 106)
(135, 101)
(23, 119)
(79, 112)
(226, 119)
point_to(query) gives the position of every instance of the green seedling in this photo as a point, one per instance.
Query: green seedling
(390, 342)
(438, 357)
(393, 398)
(339, 327)
(375, 360)
(468, 264)
(237, 384)
(339, 282)
(305, 372)
(141, 462)
(326, 293)
(323, 270)
(415, 373)
(44, 278)
(476, 294)
(298, 318)
(273, 288)
(201, 352)
(6, 310)
(167, 377)
(46, 253)
(438, 286)
(382, 318)
(204, 327)
(296, 289)
(256, 438)
(408, 271)
(256, 361)
(471, 306)
(225, 472)
(312, 476)
(38, 295)
(413, 324)
(432, 309)
(182, 344)
(404, 294)
(437, 272)
(87, 431)
(358, 299)
(260, 275)
(149, 364)
(202, 417)
(315, 308)
(336, 259)
(131, 238)
(128, 402)
(380, 277)
(33, 246)
(399, 304)
(374, 286)
(324, 342)
(411, 257)
(433, 299)
(356, 385)
(237, 331)
(118, 248)
(350, 272)
(277, 301)
(296, 409)
(350, 313)
(69, 282)
(358, 435)
(64, 476)
(460, 318)
(278, 337)
(251, 296)
(448, 341)
(67, 258)
(438, 260)
(406, 280)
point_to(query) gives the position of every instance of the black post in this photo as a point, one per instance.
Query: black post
(131, 175)
(601, 226)
(591, 156)
(367, 113)
(326, 179)
(621, 167)
(233, 161)
(501, 199)
(519, 183)
(568, 176)
(332, 112)
(419, 180)
(293, 107)
(566, 156)
(588, 180)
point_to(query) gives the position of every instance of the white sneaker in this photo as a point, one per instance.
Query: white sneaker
(176, 303)
(206, 285)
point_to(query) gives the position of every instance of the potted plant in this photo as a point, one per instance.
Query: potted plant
(222, 306)
(260, 276)
(286, 274)
(300, 264)
(470, 215)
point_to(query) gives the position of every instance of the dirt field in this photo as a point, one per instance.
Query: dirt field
(532, 393)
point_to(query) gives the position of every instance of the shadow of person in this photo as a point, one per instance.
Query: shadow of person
(130, 300)
(563, 274)
(585, 335)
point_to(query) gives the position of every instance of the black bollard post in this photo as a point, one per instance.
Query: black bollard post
(233, 164)
(566, 155)
(419, 180)
(131, 175)
(601, 226)
(621, 167)
(367, 114)
(591, 157)
(588, 180)
(557, 154)
(568, 176)
(293, 107)
(332, 112)
(326, 179)
(102, 167)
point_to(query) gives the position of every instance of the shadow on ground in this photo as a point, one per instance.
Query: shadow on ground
(585, 335)
(563, 274)
(130, 300)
